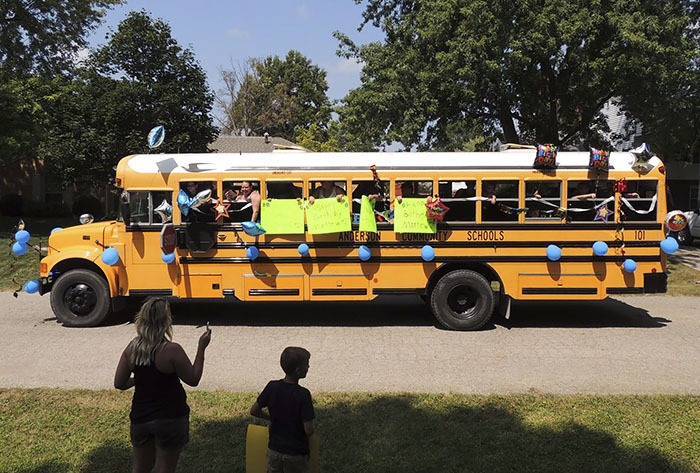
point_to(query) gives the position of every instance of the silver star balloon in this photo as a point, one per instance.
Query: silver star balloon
(164, 211)
(201, 198)
(642, 155)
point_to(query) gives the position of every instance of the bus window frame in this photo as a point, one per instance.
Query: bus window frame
(524, 200)
(304, 183)
(151, 205)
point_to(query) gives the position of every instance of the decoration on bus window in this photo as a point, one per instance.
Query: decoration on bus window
(411, 216)
(183, 202)
(642, 154)
(553, 253)
(364, 253)
(282, 216)
(546, 157)
(164, 211)
(600, 248)
(427, 253)
(503, 208)
(377, 181)
(303, 249)
(201, 198)
(252, 228)
(669, 245)
(156, 136)
(602, 213)
(110, 256)
(676, 221)
(599, 160)
(436, 209)
(30, 287)
(221, 209)
(620, 185)
(630, 265)
(367, 220)
(167, 257)
(252, 253)
(328, 216)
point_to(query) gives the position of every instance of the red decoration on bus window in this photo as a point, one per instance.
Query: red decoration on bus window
(436, 209)
(620, 185)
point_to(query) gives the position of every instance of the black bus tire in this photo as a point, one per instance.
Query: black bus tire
(80, 298)
(462, 300)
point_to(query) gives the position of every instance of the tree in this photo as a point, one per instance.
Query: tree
(315, 139)
(274, 96)
(42, 37)
(513, 68)
(141, 78)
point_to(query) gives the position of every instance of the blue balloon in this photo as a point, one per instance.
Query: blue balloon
(600, 248)
(55, 230)
(22, 236)
(303, 249)
(183, 202)
(110, 256)
(364, 253)
(427, 253)
(553, 252)
(167, 257)
(630, 265)
(19, 248)
(252, 253)
(252, 228)
(30, 287)
(669, 245)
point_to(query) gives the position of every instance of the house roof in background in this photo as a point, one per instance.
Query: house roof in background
(249, 144)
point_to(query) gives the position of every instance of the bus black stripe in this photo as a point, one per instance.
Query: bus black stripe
(417, 259)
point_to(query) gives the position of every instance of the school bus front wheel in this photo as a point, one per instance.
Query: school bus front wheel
(80, 298)
(462, 300)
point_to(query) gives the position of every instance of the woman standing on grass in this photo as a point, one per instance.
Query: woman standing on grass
(159, 411)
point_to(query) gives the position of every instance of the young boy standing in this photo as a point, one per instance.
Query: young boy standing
(291, 415)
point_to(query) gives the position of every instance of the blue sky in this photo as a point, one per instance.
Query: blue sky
(221, 32)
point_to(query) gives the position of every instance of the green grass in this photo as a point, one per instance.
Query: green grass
(62, 431)
(681, 280)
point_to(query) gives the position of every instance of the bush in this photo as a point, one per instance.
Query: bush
(87, 204)
(45, 209)
(11, 205)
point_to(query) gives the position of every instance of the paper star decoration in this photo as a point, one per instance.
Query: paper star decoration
(221, 210)
(602, 214)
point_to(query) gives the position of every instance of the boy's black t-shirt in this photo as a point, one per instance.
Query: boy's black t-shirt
(290, 406)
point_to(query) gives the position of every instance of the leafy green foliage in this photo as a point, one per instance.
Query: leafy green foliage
(450, 70)
(42, 36)
(141, 78)
(274, 95)
(315, 139)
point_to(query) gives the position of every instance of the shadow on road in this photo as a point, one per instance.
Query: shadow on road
(398, 311)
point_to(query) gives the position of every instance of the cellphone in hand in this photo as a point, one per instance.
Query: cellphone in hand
(208, 326)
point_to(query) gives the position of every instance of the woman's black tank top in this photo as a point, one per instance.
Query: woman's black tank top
(157, 395)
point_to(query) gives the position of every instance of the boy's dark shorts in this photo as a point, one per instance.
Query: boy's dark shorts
(168, 434)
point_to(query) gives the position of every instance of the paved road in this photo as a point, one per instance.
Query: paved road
(631, 345)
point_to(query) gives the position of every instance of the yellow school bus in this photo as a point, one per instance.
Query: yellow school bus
(511, 232)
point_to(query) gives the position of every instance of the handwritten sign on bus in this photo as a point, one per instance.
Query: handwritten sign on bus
(328, 216)
(411, 216)
(368, 223)
(282, 216)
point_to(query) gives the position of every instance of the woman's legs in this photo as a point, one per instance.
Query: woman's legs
(144, 458)
(166, 460)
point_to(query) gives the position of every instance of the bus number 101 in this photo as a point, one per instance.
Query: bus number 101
(639, 235)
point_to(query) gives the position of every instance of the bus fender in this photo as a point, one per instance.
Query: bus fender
(79, 258)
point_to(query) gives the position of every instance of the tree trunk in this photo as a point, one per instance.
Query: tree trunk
(508, 126)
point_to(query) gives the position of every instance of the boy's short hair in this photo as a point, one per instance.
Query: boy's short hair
(293, 358)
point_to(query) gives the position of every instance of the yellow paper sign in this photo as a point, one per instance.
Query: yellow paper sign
(368, 223)
(282, 216)
(411, 216)
(328, 216)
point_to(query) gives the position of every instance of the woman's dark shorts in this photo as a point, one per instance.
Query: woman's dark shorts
(168, 434)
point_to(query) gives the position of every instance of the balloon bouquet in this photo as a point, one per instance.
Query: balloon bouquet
(19, 242)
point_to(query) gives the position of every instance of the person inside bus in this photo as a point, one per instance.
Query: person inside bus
(490, 210)
(205, 211)
(406, 191)
(249, 194)
(582, 199)
(326, 190)
(372, 190)
(583, 192)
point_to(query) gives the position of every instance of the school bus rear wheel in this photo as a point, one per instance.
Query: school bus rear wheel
(80, 298)
(462, 300)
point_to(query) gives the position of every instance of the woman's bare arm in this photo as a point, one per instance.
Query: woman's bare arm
(122, 377)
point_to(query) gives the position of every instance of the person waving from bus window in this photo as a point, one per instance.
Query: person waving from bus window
(249, 194)
(326, 190)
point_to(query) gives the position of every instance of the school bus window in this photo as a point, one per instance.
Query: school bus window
(543, 200)
(243, 198)
(200, 212)
(460, 197)
(414, 189)
(587, 198)
(326, 189)
(143, 205)
(639, 201)
(284, 190)
(502, 201)
(379, 193)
